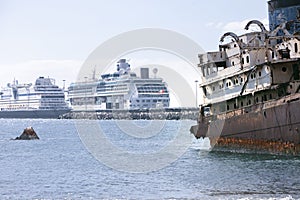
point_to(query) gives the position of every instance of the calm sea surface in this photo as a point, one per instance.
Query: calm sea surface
(59, 166)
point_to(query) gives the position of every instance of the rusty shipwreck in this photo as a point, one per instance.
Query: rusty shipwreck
(251, 85)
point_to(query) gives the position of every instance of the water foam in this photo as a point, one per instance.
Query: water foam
(202, 144)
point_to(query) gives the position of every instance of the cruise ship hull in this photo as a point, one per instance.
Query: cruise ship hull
(276, 128)
(34, 114)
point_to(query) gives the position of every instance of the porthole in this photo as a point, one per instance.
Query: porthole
(265, 114)
(284, 69)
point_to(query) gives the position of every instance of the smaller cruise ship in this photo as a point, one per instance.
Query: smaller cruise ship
(44, 99)
(122, 90)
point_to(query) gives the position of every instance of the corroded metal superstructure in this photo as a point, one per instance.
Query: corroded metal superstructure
(251, 85)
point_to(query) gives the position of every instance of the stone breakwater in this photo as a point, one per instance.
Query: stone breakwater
(144, 114)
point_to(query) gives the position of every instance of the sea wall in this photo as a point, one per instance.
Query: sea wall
(144, 114)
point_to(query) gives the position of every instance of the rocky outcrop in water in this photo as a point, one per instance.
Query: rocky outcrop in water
(28, 134)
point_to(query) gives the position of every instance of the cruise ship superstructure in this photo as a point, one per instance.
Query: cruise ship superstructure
(120, 90)
(44, 99)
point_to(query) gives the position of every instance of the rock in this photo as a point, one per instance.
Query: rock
(28, 134)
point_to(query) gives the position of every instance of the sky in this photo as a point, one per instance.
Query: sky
(54, 37)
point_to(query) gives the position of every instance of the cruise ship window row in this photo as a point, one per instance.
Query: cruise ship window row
(152, 87)
(51, 93)
(28, 94)
(21, 95)
(58, 100)
(82, 90)
(153, 95)
(112, 85)
(53, 101)
(146, 105)
(53, 97)
(152, 100)
(49, 89)
(151, 91)
(112, 89)
(44, 103)
(52, 105)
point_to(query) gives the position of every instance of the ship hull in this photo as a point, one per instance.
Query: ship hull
(33, 114)
(273, 127)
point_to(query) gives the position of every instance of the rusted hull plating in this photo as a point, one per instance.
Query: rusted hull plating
(276, 128)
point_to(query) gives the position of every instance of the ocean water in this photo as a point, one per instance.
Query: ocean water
(66, 163)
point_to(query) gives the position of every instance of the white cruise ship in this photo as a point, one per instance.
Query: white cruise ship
(122, 90)
(44, 99)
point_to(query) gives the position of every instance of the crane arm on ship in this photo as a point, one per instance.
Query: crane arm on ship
(233, 35)
(258, 23)
(261, 26)
(236, 38)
